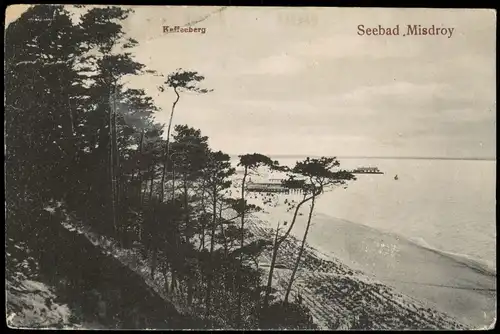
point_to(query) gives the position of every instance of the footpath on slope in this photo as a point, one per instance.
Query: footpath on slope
(100, 287)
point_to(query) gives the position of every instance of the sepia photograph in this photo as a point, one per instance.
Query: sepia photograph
(247, 168)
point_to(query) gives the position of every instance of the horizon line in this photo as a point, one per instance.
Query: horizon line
(378, 157)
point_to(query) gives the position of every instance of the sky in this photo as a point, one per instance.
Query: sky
(301, 81)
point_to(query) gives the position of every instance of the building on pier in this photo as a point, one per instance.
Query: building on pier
(367, 170)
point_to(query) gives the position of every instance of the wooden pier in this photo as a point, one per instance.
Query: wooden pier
(266, 187)
(270, 187)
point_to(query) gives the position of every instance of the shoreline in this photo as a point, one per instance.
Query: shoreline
(448, 284)
(482, 265)
(337, 293)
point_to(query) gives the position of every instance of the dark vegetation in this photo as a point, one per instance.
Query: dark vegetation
(97, 288)
(77, 135)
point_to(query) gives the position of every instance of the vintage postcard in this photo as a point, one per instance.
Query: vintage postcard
(250, 168)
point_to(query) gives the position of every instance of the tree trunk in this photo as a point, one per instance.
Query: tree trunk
(154, 250)
(153, 231)
(221, 224)
(242, 240)
(204, 211)
(139, 174)
(166, 156)
(276, 249)
(71, 119)
(202, 236)
(116, 173)
(186, 208)
(212, 244)
(290, 283)
(151, 183)
(271, 271)
(111, 167)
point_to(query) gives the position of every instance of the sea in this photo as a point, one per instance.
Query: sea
(430, 232)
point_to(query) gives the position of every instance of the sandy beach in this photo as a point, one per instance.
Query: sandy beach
(338, 295)
(456, 287)
(449, 284)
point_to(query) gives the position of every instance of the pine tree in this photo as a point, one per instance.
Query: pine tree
(321, 175)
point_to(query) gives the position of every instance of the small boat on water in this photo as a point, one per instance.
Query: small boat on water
(396, 177)
(367, 170)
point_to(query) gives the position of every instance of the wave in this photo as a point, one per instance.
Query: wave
(479, 265)
(474, 263)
